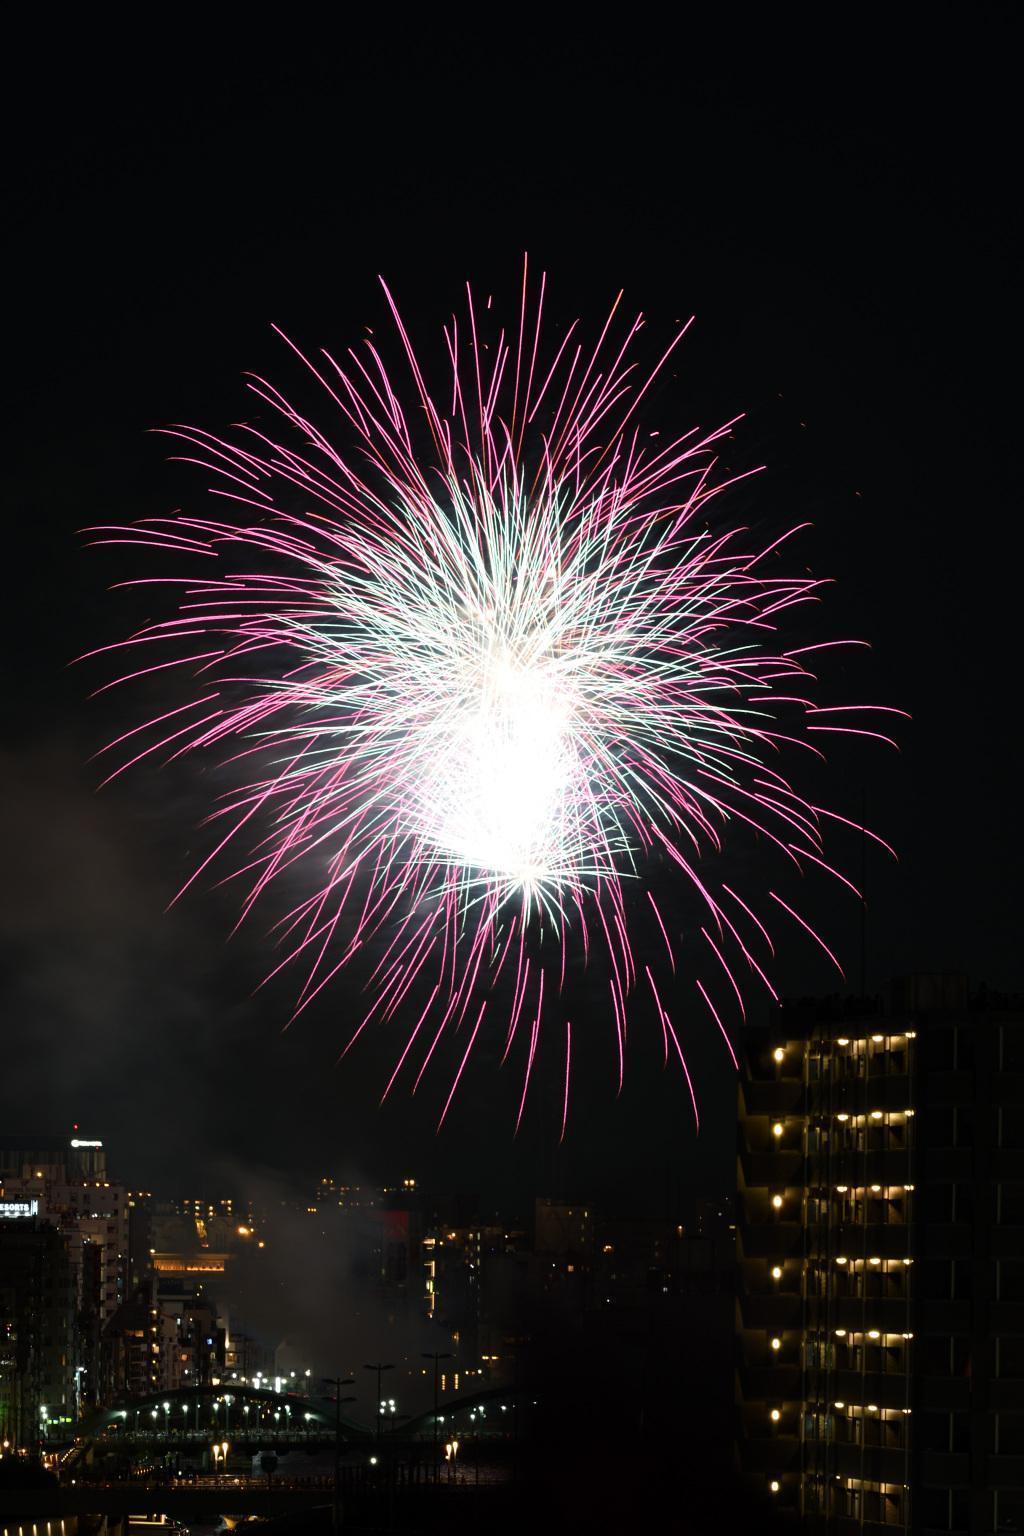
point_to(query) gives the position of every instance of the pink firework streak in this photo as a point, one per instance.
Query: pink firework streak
(476, 671)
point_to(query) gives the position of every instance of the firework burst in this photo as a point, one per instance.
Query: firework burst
(483, 667)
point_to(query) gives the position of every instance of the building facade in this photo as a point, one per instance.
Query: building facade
(880, 1246)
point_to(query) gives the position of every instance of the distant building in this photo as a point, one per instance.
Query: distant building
(880, 1245)
(68, 1158)
(63, 1182)
(37, 1321)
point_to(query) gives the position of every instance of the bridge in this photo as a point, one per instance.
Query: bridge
(254, 1418)
(192, 1422)
(237, 1414)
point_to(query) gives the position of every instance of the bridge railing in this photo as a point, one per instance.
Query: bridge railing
(254, 1436)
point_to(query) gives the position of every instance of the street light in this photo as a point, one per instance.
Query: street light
(337, 1382)
(437, 1357)
(380, 1369)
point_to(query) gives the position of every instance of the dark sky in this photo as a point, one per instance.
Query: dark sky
(836, 208)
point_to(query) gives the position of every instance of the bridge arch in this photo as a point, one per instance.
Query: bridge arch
(231, 1412)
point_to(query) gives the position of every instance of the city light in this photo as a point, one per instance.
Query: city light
(776, 1415)
(777, 1128)
(777, 1202)
(776, 1343)
(779, 1053)
(776, 1271)
(774, 1486)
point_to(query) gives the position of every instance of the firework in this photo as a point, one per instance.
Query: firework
(477, 671)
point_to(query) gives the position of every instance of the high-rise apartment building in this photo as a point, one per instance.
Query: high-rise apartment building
(37, 1311)
(880, 1248)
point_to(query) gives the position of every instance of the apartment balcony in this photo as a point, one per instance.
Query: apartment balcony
(886, 1240)
(771, 1382)
(771, 1454)
(948, 1165)
(890, 1166)
(776, 1166)
(776, 1312)
(855, 1094)
(945, 1317)
(776, 1239)
(886, 1313)
(943, 1394)
(873, 1463)
(1007, 1393)
(1008, 1088)
(1007, 1242)
(1006, 1317)
(1006, 1472)
(948, 1240)
(886, 1389)
(780, 1096)
(951, 1088)
(947, 1469)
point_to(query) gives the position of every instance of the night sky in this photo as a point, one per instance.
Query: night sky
(837, 210)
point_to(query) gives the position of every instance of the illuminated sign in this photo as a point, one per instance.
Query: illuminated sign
(76, 1143)
(18, 1208)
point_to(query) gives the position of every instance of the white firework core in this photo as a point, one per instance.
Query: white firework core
(499, 799)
